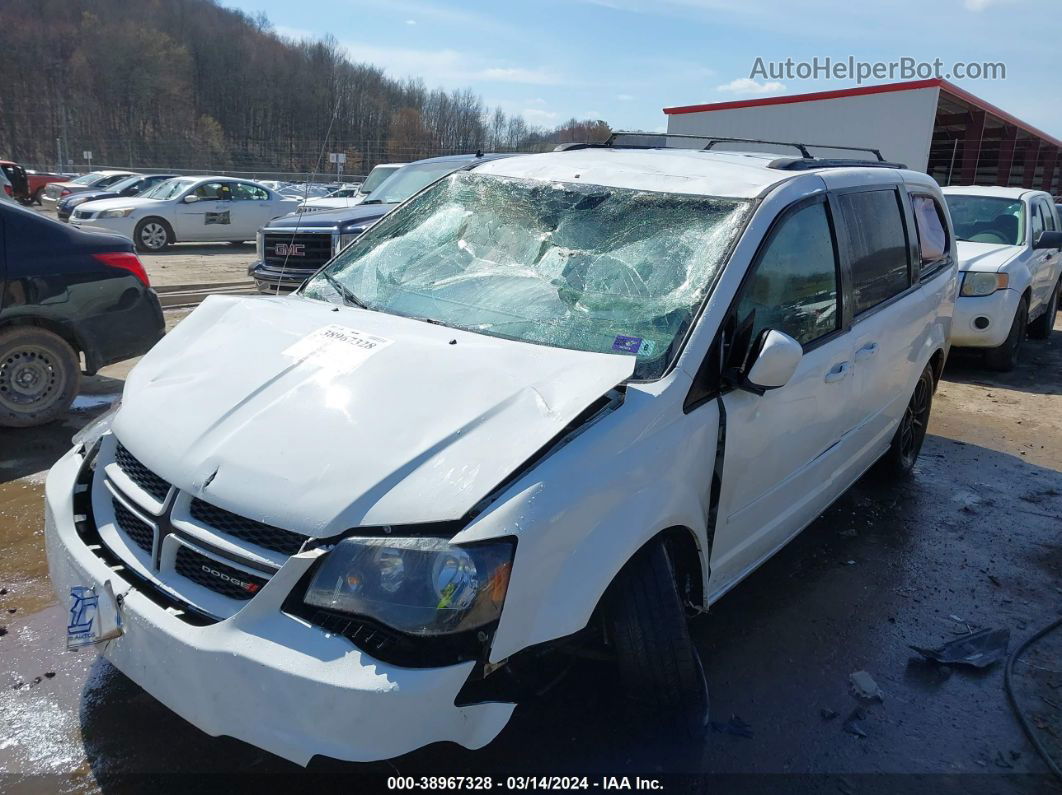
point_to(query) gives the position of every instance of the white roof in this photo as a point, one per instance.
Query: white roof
(989, 190)
(716, 173)
(733, 174)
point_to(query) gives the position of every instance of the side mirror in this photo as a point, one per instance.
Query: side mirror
(774, 361)
(1048, 239)
(191, 197)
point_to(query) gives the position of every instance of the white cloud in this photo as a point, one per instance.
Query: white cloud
(446, 67)
(981, 5)
(624, 97)
(411, 22)
(746, 85)
(539, 116)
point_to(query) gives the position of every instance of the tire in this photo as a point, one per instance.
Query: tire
(39, 377)
(1040, 329)
(900, 458)
(658, 664)
(1005, 357)
(152, 235)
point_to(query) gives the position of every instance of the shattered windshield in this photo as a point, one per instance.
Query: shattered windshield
(563, 264)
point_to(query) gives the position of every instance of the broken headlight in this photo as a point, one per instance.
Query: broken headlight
(421, 586)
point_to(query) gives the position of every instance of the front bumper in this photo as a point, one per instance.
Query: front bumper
(998, 309)
(268, 278)
(262, 675)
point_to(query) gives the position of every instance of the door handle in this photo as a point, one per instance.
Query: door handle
(837, 372)
(866, 351)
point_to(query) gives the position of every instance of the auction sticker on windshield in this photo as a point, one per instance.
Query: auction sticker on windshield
(337, 347)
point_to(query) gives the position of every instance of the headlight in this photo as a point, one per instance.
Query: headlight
(259, 245)
(122, 213)
(348, 238)
(100, 426)
(983, 283)
(421, 586)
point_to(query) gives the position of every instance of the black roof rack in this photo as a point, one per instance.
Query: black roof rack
(614, 142)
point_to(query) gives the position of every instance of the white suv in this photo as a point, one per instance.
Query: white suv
(1010, 266)
(554, 401)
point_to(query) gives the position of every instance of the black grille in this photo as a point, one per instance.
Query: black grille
(216, 576)
(140, 474)
(142, 534)
(299, 250)
(264, 535)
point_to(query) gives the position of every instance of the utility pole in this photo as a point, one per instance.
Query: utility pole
(58, 156)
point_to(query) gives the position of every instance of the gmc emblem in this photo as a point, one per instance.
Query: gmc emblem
(289, 250)
(250, 587)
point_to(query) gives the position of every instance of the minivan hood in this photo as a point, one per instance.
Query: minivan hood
(279, 410)
(985, 257)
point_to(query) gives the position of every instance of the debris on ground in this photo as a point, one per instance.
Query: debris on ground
(853, 724)
(978, 649)
(864, 686)
(3, 631)
(735, 726)
(827, 714)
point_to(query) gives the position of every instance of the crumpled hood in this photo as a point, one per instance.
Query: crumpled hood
(985, 257)
(319, 418)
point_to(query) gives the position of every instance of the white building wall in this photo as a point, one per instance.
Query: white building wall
(899, 123)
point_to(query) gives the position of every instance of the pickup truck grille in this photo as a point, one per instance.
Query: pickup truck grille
(300, 250)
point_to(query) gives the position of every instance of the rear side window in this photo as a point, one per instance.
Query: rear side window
(1049, 216)
(932, 231)
(793, 287)
(877, 245)
(1037, 221)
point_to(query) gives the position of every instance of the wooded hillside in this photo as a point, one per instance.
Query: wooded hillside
(189, 84)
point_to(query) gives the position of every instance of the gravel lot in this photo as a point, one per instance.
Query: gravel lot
(972, 540)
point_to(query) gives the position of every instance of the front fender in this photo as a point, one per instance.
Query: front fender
(583, 512)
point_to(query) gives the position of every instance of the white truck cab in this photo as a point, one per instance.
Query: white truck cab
(1010, 263)
(558, 400)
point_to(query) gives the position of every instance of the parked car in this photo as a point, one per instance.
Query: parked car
(98, 180)
(130, 186)
(7, 191)
(186, 209)
(65, 296)
(379, 174)
(1011, 269)
(292, 248)
(551, 402)
(28, 184)
(339, 199)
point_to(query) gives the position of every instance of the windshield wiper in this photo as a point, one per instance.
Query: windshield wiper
(373, 201)
(348, 297)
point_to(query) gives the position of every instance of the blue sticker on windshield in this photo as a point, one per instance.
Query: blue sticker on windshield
(626, 344)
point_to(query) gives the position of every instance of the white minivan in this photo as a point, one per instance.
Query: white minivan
(557, 401)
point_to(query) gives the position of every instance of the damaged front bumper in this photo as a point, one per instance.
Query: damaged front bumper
(262, 675)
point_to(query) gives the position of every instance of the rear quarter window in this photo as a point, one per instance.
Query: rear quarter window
(876, 242)
(933, 243)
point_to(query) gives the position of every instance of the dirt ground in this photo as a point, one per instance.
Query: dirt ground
(971, 540)
(199, 263)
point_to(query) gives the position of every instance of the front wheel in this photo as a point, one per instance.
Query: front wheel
(658, 663)
(1040, 329)
(900, 458)
(39, 376)
(152, 234)
(1005, 357)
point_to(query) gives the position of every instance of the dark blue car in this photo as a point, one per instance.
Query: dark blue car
(130, 186)
(67, 297)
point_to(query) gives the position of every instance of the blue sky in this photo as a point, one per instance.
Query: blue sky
(624, 60)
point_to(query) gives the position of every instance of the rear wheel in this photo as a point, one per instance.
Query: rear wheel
(39, 376)
(1005, 357)
(900, 458)
(152, 234)
(1040, 329)
(658, 663)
